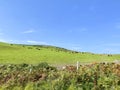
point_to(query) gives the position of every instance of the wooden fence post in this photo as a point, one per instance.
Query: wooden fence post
(77, 65)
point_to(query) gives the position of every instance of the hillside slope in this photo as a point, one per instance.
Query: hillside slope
(33, 54)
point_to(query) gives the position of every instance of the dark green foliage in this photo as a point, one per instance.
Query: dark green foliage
(43, 65)
(29, 47)
(11, 44)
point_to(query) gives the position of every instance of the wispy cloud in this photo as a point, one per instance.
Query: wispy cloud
(29, 31)
(36, 42)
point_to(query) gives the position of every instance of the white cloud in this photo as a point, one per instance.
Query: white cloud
(29, 31)
(36, 42)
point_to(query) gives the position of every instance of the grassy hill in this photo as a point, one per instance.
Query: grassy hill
(33, 54)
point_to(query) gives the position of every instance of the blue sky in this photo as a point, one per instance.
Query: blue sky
(83, 25)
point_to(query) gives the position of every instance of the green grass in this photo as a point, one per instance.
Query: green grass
(16, 54)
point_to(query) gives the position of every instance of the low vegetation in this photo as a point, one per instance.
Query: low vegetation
(96, 76)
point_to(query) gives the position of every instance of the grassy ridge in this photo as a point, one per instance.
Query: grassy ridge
(33, 54)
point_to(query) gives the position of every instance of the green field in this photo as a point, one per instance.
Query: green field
(34, 54)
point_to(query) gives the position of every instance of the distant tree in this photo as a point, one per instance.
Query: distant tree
(109, 55)
(23, 45)
(11, 44)
(38, 48)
